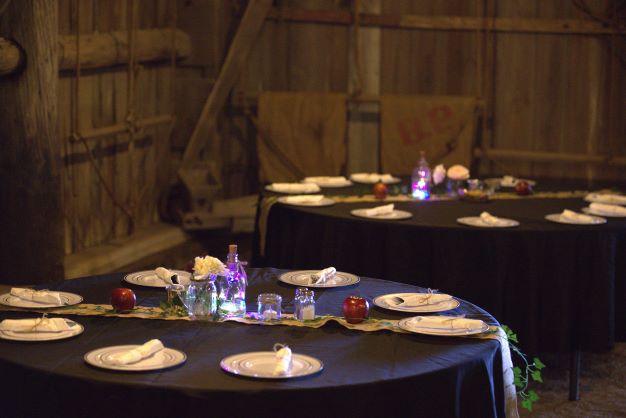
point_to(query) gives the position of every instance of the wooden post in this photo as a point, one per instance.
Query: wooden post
(363, 121)
(31, 247)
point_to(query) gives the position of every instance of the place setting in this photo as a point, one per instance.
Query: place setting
(371, 178)
(442, 325)
(605, 209)
(280, 363)
(38, 299)
(328, 181)
(509, 181)
(417, 302)
(159, 277)
(385, 212)
(152, 355)
(39, 329)
(487, 220)
(293, 188)
(313, 200)
(575, 218)
(607, 198)
(328, 277)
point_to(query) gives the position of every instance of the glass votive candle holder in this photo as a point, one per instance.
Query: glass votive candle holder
(269, 306)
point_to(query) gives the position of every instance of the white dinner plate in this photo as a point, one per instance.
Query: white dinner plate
(163, 359)
(413, 324)
(590, 211)
(75, 329)
(385, 301)
(609, 199)
(477, 221)
(556, 217)
(396, 215)
(531, 183)
(392, 180)
(67, 299)
(149, 278)
(303, 278)
(323, 202)
(331, 184)
(261, 364)
(269, 188)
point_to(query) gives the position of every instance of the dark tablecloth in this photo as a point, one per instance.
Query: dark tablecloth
(365, 373)
(559, 286)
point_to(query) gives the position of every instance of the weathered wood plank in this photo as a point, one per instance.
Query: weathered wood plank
(462, 23)
(31, 248)
(242, 43)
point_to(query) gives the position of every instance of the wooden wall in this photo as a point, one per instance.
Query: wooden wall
(137, 173)
(544, 92)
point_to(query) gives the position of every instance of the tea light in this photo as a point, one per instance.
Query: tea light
(308, 312)
(269, 314)
(268, 306)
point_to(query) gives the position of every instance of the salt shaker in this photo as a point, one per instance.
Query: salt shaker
(304, 304)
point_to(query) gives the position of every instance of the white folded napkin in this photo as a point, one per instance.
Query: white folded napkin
(34, 325)
(615, 199)
(445, 322)
(165, 275)
(576, 217)
(295, 187)
(134, 355)
(608, 209)
(380, 210)
(419, 299)
(304, 198)
(323, 276)
(489, 219)
(39, 296)
(371, 177)
(508, 181)
(283, 361)
(326, 180)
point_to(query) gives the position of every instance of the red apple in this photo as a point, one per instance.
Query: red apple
(355, 309)
(380, 190)
(523, 188)
(123, 299)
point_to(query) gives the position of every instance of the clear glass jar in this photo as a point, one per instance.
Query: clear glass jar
(269, 306)
(200, 299)
(304, 304)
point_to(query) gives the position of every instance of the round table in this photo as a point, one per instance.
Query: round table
(365, 373)
(559, 286)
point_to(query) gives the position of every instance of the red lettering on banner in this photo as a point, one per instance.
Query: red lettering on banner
(411, 131)
(438, 116)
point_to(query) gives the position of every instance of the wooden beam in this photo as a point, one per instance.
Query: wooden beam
(98, 50)
(539, 156)
(31, 248)
(246, 36)
(457, 23)
(11, 57)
